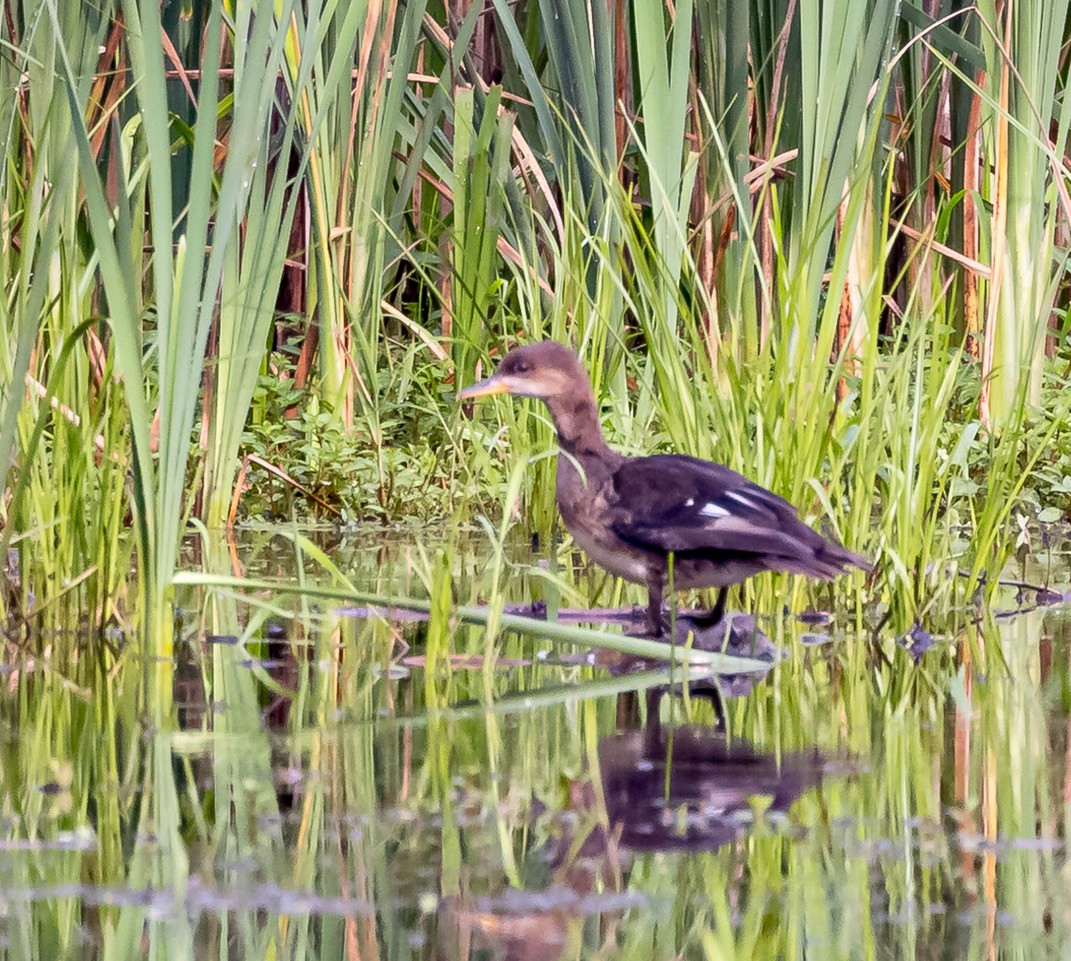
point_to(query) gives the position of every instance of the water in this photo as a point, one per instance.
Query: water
(341, 786)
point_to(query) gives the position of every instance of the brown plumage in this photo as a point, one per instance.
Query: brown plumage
(631, 513)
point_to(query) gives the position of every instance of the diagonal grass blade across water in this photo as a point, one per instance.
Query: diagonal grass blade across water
(548, 630)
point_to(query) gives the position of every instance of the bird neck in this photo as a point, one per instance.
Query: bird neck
(576, 419)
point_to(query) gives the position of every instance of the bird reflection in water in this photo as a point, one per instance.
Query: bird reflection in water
(665, 790)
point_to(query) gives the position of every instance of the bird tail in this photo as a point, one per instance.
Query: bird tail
(833, 559)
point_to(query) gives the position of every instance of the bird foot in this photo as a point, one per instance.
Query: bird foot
(657, 632)
(660, 628)
(668, 624)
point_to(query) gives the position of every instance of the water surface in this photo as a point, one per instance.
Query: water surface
(351, 784)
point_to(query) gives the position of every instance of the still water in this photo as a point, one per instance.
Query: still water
(337, 781)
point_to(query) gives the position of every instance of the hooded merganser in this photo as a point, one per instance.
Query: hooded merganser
(630, 514)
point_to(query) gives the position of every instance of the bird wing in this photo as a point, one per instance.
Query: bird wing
(670, 502)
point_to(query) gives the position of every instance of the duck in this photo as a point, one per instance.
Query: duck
(663, 520)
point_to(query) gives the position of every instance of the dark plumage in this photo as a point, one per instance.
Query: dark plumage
(631, 513)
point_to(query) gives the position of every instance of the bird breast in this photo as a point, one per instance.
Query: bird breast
(585, 510)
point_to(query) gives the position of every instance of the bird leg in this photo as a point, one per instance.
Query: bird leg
(715, 614)
(654, 607)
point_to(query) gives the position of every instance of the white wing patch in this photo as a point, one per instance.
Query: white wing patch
(744, 499)
(712, 510)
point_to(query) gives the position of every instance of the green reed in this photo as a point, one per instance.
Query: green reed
(767, 341)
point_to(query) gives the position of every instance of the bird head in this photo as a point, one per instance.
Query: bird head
(546, 370)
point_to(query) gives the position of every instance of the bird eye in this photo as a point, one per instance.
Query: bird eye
(523, 367)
